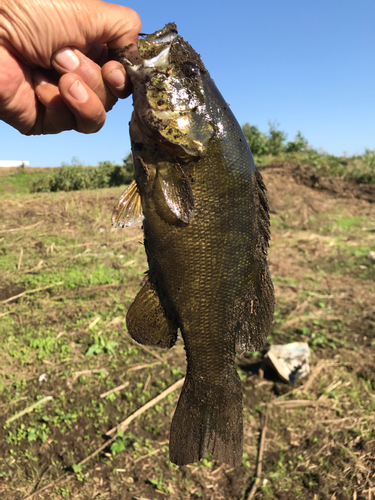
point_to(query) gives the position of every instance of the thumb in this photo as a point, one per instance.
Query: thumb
(35, 29)
(114, 25)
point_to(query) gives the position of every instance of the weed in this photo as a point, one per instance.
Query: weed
(159, 484)
(102, 345)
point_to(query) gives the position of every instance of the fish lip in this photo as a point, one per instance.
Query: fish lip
(168, 33)
(133, 55)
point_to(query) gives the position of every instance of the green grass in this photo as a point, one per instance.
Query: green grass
(20, 183)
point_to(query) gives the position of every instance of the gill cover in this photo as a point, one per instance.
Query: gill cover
(169, 115)
(169, 104)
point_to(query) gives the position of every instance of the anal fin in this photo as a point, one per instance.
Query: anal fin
(147, 321)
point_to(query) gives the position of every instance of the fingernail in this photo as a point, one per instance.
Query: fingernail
(78, 92)
(38, 78)
(67, 59)
(117, 79)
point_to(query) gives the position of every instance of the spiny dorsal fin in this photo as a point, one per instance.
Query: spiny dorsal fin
(129, 209)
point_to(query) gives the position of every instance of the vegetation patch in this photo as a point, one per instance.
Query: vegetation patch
(70, 373)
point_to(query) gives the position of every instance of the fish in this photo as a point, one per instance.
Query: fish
(205, 216)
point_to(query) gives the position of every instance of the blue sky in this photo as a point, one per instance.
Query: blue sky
(306, 65)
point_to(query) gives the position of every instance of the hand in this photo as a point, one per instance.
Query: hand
(55, 74)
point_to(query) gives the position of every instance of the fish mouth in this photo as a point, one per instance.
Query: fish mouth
(152, 50)
(168, 99)
(154, 45)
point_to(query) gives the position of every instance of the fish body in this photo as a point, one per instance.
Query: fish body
(206, 232)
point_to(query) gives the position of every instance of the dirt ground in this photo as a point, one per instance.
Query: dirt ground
(69, 372)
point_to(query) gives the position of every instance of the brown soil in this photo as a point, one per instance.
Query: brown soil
(325, 296)
(333, 186)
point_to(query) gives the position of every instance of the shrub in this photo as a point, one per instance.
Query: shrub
(363, 171)
(75, 177)
(275, 141)
(299, 144)
(272, 143)
(256, 139)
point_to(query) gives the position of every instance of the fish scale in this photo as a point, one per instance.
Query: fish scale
(206, 231)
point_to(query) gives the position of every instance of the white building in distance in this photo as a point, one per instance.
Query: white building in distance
(14, 163)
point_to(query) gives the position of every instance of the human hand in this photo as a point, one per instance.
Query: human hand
(55, 74)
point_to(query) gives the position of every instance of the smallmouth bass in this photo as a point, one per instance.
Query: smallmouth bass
(206, 232)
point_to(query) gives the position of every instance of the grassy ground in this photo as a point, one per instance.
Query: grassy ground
(65, 346)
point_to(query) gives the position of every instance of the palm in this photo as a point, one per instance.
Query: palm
(19, 105)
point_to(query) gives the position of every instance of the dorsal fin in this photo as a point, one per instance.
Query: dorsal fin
(253, 311)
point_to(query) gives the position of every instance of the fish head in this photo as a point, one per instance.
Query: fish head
(168, 94)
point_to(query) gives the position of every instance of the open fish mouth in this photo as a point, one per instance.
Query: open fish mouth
(151, 51)
(153, 48)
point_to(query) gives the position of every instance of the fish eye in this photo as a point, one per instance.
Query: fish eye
(189, 69)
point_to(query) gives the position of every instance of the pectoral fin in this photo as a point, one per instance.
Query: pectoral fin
(129, 209)
(176, 192)
(147, 321)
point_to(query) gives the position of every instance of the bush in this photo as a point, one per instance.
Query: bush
(75, 177)
(266, 148)
(272, 143)
(256, 139)
(299, 144)
(363, 171)
(275, 141)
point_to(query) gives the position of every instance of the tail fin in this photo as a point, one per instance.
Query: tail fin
(208, 419)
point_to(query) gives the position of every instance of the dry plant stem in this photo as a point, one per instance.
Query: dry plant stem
(333, 421)
(295, 403)
(13, 402)
(6, 313)
(260, 457)
(20, 259)
(147, 350)
(36, 268)
(155, 452)
(115, 389)
(30, 291)
(29, 409)
(14, 230)
(140, 367)
(315, 373)
(146, 383)
(121, 427)
(93, 323)
(88, 372)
